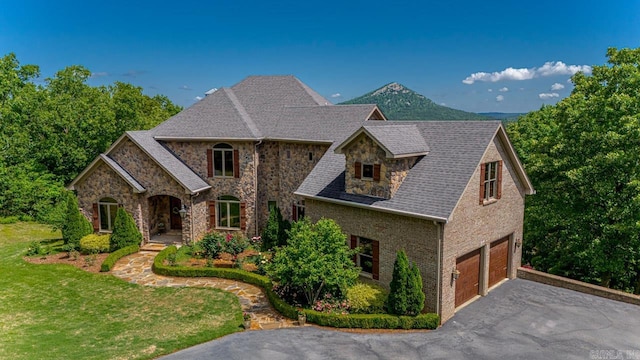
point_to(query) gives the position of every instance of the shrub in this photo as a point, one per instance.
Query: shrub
(9, 219)
(108, 263)
(211, 244)
(94, 243)
(316, 261)
(235, 243)
(366, 298)
(125, 232)
(275, 232)
(75, 226)
(404, 298)
(373, 321)
(35, 248)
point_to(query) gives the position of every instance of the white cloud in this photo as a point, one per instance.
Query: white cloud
(504, 89)
(211, 91)
(499, 98)
(184, 87)
(549, 68)
(198, 98)
(557, 86)
(545, 96)
(443, 104)
(99, 74)
(336, 95)
(490, 90)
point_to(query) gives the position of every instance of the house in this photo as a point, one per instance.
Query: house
(451, 194)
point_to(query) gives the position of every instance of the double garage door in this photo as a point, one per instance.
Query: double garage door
(469, 266)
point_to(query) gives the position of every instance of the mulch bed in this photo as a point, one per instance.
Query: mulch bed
(63, 258)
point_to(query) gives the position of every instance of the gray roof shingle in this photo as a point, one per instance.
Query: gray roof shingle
(435, 183)
(123, 173)
(397, 141)
(163, 157)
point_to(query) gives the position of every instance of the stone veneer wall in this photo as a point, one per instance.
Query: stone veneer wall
(293, 170)
(104, 182)
(268, 179)
(392, 171)
(417, 237)
(194, 154)
(473, 226)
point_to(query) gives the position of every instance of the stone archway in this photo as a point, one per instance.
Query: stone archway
(164, 217)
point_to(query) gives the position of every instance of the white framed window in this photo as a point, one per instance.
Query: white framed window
(490, 183)
(367, 171)
(223, 160)
(298, 210)
(364, 257)
(107, 209)
(228, 213)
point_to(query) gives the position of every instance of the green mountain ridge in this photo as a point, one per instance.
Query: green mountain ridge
(398, 102)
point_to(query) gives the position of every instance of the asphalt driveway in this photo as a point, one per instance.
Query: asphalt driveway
(519, 320)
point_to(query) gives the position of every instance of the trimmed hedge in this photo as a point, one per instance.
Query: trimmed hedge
(364, 321)
(95, 243)
(108, 263)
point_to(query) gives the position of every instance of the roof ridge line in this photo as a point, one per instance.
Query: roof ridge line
(243, 112)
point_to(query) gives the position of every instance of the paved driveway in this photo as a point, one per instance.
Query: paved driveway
(519, 320)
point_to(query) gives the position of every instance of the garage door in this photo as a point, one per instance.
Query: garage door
(498, 257)
(467, 285)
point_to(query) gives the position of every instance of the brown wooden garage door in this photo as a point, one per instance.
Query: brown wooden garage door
(467, 285)
(498, 257)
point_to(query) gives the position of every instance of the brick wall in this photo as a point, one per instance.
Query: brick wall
(417, 237)
(474, 226)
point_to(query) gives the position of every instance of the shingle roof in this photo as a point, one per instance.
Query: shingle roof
(397, 141)
(163, 157)
(435, 183)
(123, 173)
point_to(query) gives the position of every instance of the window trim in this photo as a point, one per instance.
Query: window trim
(226, 201)
(296, 210)
(362, 176)
(490, 184)
(359, 256)
(223, 148)
(105, 202)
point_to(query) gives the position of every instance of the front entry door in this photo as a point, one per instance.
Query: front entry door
(175, 206)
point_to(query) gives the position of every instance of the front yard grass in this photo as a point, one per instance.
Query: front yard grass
(60, 312)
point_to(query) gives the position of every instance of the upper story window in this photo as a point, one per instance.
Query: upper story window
(223, 160)
(367, 171)
(107, 209)
(490, 181)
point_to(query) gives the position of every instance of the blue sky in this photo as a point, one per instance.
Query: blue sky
(342, 49)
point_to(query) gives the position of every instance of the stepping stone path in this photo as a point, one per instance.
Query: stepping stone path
(136, 268)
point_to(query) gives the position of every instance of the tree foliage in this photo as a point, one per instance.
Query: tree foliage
(316, 261)
(75, 225)
(125, 232)
(275, 232)
(50, 132)
(582, 157)
(405, 296)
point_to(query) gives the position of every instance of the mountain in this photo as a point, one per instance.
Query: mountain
(397, 102)
(502, 116)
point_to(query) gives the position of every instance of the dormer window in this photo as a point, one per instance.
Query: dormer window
(367, 171)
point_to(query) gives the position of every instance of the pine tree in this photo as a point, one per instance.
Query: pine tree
(397, 301)
(125, 232)
(75, 226)
(272, 230)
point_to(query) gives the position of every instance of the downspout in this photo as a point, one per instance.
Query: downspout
(255, 186)
(439, 234)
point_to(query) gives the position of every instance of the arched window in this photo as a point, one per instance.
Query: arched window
(223, 160)
(228, 211)
(107, 209)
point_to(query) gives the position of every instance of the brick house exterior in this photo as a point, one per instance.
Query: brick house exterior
(451, 194)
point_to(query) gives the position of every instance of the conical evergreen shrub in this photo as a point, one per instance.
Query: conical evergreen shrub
(125, 232)
(75, 226)
(397, 300)
(415, 296)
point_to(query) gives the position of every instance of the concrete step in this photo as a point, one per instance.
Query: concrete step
(157, 247)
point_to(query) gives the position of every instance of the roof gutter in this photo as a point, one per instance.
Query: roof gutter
(375, 208)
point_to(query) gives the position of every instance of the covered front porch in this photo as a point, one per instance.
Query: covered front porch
(166, 215)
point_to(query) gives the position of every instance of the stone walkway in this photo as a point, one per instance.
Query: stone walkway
(136, 269)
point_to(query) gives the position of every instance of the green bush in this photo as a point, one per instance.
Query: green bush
(275, 232)
(9, 219)
(95, 243)
(374, 321)
(125, 232)
(406, 296)
(108, 263)
(211, 244)
(75, 226)
(35, 248)
(366, 298)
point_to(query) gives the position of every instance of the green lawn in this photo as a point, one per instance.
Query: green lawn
(60, 312)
